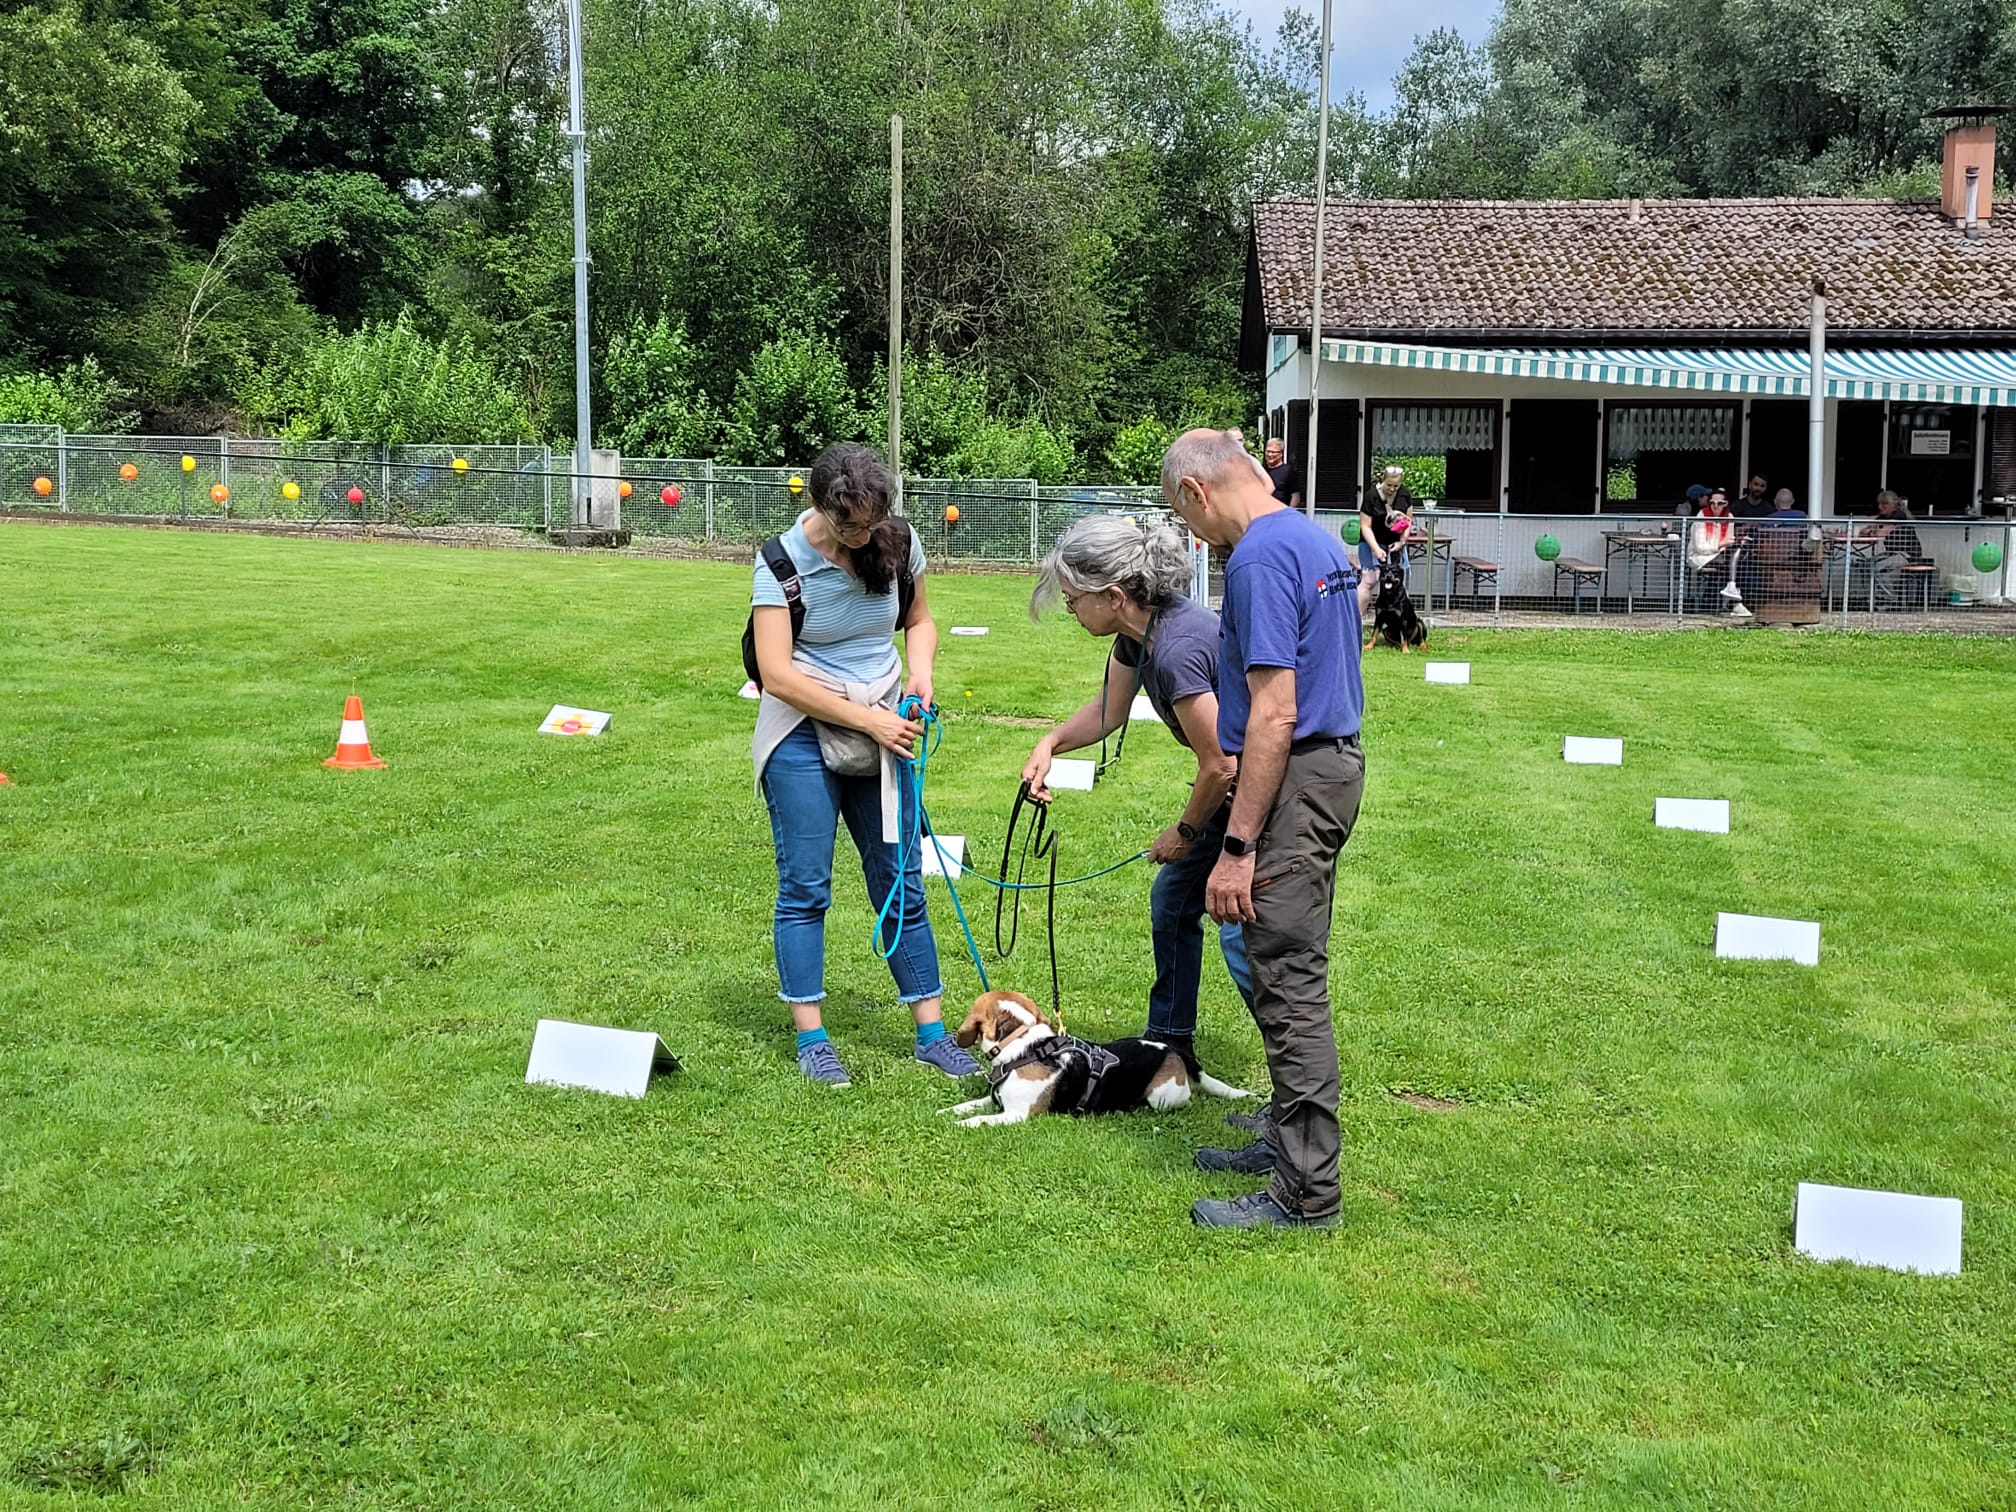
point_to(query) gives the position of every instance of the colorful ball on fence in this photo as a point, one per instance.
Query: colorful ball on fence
(1350, 530)
(1987, 556)
(219, 493)
(951, 514)
(188, 464)
(128, 472)
(670, 496)
(797, 484)
(624, 490)
(43, 487)
(1546, 548)
(355, 496)
(460, 464)
(290, 489)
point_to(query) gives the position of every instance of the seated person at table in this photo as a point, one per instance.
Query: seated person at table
(1709, 538)
(1896, 546)
(1787, 507)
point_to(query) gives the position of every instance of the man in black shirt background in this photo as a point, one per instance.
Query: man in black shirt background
(1287, 488)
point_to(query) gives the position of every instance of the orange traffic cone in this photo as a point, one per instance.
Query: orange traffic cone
(353, 746)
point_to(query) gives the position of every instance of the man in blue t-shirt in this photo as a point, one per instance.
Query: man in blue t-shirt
(1290, 701)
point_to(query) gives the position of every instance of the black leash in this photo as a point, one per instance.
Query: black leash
(1038, 841)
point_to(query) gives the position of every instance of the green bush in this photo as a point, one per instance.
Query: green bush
(81, 398)
(792, 402)
(1427, 477)
(653, 405)
(1136, 453)
(390, 384)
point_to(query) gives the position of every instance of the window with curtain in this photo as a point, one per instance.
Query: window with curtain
(1656, 451)
(1449, 451)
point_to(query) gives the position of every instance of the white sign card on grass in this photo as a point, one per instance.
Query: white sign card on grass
(969, 629)
(565, 720)
(1894, 1230)
(1448, 672)
(1141, 708)
(1708, 815)
(1586, 750)
(751, 692)
(616, 1061)
(1755, 937)
(953, 846)
(1071, 773)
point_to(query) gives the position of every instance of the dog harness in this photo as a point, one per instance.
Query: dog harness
(1058, 1053)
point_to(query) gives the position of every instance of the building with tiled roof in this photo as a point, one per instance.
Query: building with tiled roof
(1576, 356)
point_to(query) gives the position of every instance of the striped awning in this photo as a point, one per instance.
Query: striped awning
(1929, 376)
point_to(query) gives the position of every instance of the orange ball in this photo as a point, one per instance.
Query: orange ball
(624, 490)
(219, 493)
(128, 472)
(951, 514)
(43, 487)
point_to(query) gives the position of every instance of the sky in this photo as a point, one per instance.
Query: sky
(1371, 38)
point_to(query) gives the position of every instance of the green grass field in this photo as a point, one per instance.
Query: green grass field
(281, 1226)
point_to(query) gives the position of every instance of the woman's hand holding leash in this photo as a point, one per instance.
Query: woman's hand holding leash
(919, 688)
(892, 732)
(1035, 770)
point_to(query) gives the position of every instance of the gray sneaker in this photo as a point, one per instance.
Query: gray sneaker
(821, 1063)
(943, 1054)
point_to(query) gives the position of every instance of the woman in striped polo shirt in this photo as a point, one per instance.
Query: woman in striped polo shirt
(827, 736)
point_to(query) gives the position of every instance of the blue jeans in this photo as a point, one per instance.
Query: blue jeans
(1175, 919)
(1369, 564)
(806, 803)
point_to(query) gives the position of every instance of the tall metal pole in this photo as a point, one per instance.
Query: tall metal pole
(896, 302)
(1316, 287)
(583, 429)
(1816, 403)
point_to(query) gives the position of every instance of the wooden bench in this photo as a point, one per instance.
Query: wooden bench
(1482, 575)
(1579, 573)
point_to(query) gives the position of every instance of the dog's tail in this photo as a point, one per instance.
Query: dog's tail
(1208, 1083)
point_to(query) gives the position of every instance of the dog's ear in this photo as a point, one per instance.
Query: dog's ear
(969, 1031)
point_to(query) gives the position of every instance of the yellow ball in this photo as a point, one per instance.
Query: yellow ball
(969, 692)
(188, 464)
(797, 484)
(290, 489)
(461, 464)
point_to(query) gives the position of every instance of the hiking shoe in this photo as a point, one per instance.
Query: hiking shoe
(1257, 1211)
(942, 1054)
(1256, 1159)
(821, 1064)
(1256, 1122)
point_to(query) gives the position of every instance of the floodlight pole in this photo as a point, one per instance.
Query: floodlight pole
(584, 434)
(1316, 286)
(1816, 402)
(896, 304)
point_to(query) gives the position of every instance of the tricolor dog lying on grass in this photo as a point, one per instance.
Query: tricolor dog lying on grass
(1036, 1069)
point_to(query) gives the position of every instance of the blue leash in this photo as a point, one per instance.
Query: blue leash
(912, 774)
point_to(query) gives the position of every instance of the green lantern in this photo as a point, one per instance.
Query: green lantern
(1987, 556)
(1546, 548)
(1350, 530)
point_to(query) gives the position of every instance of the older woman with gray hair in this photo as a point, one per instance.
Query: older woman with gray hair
(1121, 580)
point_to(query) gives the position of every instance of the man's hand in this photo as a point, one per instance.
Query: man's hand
(1169, 846)
(1036, 769)
(1228, 896)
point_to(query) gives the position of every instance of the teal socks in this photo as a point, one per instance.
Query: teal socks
(807, 1038)
(930, 1033)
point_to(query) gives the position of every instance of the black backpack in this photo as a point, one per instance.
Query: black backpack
(786, 572)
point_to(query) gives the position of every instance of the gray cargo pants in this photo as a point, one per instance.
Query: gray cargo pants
(1294, 884)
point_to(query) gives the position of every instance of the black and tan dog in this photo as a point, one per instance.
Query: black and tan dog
(1035, 1069)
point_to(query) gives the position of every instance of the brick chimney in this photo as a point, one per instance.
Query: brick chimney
(1967, 168)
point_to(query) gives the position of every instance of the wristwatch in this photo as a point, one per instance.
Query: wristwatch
(1187, 830)
(1235, 846)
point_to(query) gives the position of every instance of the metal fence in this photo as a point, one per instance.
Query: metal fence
(1859, 571)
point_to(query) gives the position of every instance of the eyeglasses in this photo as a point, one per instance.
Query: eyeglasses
(849, 527)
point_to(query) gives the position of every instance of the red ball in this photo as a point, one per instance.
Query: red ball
(670, 495)
(356, 496)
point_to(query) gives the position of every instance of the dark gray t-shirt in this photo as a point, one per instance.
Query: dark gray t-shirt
(1182, 658)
